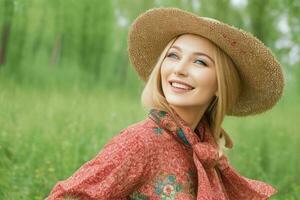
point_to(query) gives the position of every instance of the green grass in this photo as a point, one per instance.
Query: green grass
(46, 134)
(267, 146)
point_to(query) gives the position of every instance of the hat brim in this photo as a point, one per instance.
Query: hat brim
(261, 75)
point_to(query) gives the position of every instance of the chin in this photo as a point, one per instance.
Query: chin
(178, 103)
(182, 102)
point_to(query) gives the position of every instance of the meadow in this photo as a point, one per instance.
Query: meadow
(67, 87)
(48, 133)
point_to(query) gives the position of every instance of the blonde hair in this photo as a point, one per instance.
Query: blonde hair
(228, 88)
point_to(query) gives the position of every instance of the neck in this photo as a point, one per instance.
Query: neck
(190, 115)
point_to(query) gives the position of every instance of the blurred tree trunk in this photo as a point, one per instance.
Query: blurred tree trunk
(127, 12)
(4, 41)
(17, 36)
(208, 8)
(294, 19)
(6, 27)
(264, 17)
(258, 22)
(94, 35)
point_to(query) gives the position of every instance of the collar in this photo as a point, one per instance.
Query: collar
(217, 179)
(181, 130)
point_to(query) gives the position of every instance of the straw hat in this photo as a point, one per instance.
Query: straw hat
(261, 75)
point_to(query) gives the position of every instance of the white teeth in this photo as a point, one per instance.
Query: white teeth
(178, 85)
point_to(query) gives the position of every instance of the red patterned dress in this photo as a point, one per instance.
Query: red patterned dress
(156, 159)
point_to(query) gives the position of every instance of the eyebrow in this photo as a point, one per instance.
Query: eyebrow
(195, 53)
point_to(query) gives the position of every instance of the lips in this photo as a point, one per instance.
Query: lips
(180, 84)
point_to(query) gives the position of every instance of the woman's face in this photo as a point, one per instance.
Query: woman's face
(189, 60)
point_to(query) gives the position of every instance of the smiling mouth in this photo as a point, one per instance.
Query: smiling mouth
(180, 86)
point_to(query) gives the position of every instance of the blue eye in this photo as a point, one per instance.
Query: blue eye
(170, 54)
(202, 62)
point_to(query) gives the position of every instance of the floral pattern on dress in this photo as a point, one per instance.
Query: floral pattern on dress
(180, 133)
(138, 196)
(158, 130)
(191, 183)
(166, 186)
(160, 117)
(132, 158)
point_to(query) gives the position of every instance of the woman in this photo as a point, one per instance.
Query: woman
(197, 70)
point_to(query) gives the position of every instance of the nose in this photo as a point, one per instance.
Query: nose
(180, 68)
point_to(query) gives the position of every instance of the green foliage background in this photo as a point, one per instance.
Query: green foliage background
(67, 87)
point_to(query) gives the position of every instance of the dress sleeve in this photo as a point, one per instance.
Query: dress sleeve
(118, 169)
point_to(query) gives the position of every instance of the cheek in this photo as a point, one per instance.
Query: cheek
(207, 79)
(163, 76)
(164, 71)
(165, 66)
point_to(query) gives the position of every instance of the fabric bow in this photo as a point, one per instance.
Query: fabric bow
(217, 179)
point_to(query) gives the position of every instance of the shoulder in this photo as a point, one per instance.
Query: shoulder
(142, 134)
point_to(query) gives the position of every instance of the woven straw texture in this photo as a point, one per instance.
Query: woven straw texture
(262, 79)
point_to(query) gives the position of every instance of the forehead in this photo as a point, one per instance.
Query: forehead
(191, 43)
